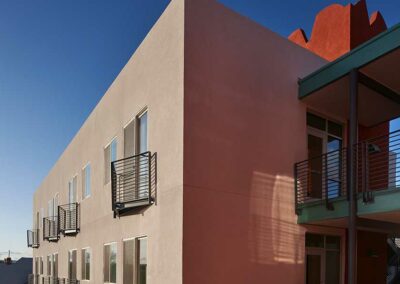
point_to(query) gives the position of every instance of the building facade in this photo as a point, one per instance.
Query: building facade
(188, 170)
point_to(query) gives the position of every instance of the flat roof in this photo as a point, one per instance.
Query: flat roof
(364, 54)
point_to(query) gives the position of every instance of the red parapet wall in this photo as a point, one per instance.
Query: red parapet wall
(338, 29)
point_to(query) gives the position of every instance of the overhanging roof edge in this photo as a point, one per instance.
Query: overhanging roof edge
(358, 57)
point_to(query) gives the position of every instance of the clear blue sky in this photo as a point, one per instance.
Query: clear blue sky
(57, 58)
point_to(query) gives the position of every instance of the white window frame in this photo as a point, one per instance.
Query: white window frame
(49, 265)
(84, 184)
(53, 259)
(76, 263)
(71, 181)
(107, 167)
(144, 111)
(88, 249)
(116, 266)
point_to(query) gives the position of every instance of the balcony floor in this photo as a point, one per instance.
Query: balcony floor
(385, 207)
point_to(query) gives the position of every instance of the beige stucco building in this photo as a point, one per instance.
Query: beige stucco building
(183, 173)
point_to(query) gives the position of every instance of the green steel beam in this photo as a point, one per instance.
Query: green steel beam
(384, 201)
(369, 51)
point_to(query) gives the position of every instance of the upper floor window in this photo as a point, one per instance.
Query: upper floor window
(110, 263)
(110, 155)
(142, 139)
(136, 136)
(86, 186)
(72, 189)
(129, 139)
(52, 207)
(85, 261)
(41, 218)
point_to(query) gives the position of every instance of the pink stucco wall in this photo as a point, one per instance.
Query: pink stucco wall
(244, 128)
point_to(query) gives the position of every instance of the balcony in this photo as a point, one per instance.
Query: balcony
(321, 182)
(69, 219)
(133, 182)
(33, 238)
(50, 229)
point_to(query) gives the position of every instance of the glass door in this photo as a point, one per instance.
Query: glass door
(315, 266)
(316, 148)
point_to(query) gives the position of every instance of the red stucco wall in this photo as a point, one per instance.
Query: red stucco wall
(244, 128)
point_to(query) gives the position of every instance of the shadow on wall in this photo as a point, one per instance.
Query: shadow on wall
(274, 237)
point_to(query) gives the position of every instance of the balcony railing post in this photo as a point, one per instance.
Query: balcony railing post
(76, 216)
(325, 179)
(149, 173)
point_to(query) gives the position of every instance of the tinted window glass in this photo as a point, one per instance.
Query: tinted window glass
(335, 129)
(313, 240)
(316, 121)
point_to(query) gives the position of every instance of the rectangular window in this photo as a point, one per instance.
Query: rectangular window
(49, 265)
(55, 205)
(50, 208)
(37, 265)
(142, 139)
(41, 265)
(72, 264)
(86, 188)
(142, 260)
(41, 218)
(110, 263)
(110, 155)
(85, 262)
(72, 189)
(129, 261)
(129, 140)
(55, 265)
(322, 259)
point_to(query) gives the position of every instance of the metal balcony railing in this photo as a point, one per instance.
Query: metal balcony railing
(69, 218)
(133, 181)
(321, 178)
(324, 178)
(32, 237)
(378, 166)
(50, 229)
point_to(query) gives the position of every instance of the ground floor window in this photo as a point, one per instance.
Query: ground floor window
(72, 265)
(142, 260)
(49, 265)
(322, 259)
(85, 264)
(41, 265)
(110, 263)
(135, 261)
(55, 265)
(37, 267)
